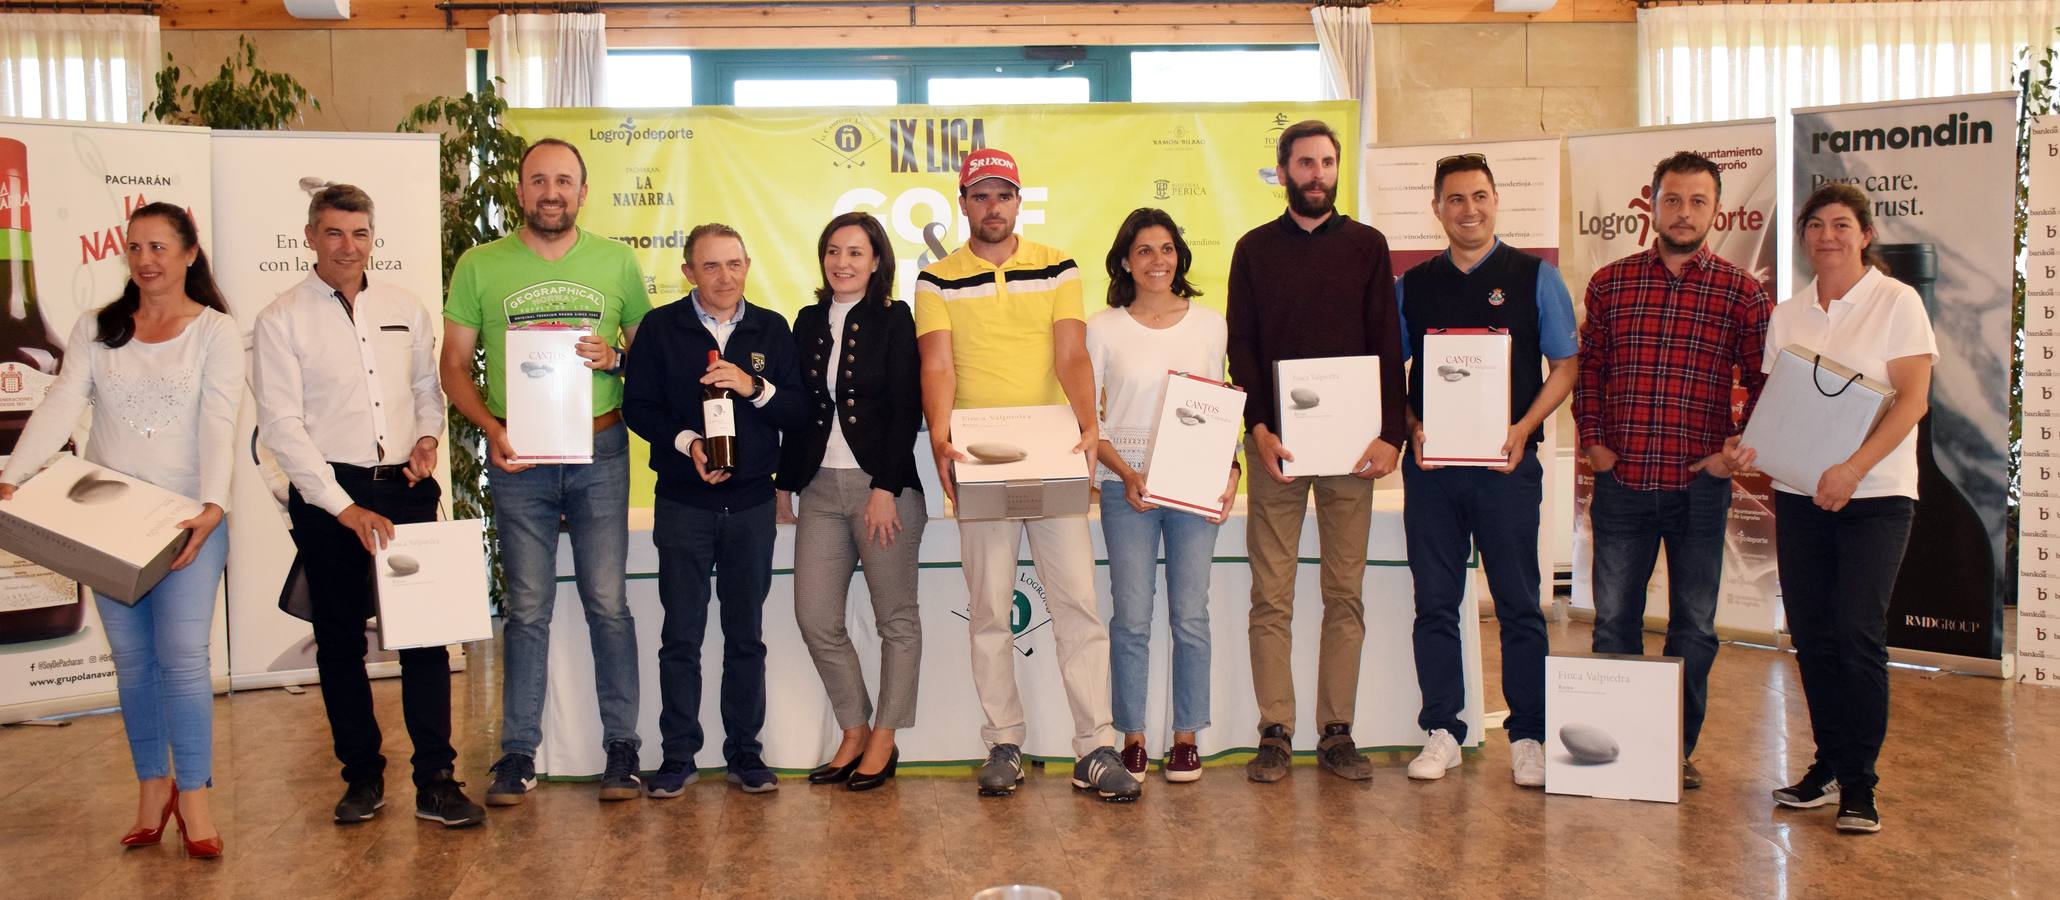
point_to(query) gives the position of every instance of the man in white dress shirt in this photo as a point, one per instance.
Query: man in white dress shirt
(346, 381)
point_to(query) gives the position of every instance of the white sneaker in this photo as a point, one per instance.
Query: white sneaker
(1440, 754)
(1527, 763)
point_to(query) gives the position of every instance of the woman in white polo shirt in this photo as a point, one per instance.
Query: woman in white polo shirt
(1152, 327)
(1840, 542)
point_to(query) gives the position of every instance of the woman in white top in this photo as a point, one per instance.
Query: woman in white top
(1840, 541)
(1153, 327)
(162, 369)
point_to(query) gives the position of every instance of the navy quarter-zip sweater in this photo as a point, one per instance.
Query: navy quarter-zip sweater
(661, 397)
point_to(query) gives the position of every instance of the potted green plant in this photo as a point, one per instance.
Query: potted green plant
(479, 168)
(242, 96)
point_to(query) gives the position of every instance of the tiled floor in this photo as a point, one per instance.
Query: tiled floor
(1968, 807)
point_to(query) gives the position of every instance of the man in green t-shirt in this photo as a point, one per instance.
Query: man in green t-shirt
(549, 273)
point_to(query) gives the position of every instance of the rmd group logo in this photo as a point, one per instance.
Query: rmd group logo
(1028, 611)
(628, 132)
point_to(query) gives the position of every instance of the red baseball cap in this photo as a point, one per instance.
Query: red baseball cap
(988, 163)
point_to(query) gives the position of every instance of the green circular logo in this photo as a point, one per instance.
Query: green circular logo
(1019, 614)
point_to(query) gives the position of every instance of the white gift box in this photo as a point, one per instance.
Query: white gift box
(1023, 465)
(1194, 439)
(1465, 396)
(1329, 412)
(550, 396)
(1613, 726)
(432, 585)
(115, 533)
(1812, 414)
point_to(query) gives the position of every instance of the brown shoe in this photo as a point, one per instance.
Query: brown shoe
(1691, 777)
(1275, 754)
(1340, 755)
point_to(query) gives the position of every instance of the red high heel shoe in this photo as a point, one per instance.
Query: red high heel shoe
(207, 849)
(150, 837)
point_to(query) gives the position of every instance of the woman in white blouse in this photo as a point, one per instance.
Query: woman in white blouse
(1840, 541)
(1153, 327)
(162, 369)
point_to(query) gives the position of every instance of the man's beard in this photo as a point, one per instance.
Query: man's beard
(1301, 204)
(535, 219)
(980, 231)
(1681, 248)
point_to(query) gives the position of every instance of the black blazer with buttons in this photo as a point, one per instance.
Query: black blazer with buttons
(879, 398)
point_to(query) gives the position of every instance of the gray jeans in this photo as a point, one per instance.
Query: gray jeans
(829, 543)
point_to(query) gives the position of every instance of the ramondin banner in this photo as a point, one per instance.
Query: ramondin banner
(1942, 176)
(778, 176)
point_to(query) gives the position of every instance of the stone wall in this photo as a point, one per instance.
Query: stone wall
(1449, 82)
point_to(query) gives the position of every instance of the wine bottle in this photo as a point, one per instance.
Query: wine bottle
(35, 603)
(28, 355)
(719, 423)
(1949, 570)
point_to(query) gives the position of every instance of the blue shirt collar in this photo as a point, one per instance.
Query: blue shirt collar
(694, 297)
(1477, 263)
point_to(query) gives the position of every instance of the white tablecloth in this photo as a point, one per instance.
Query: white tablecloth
(800, 731)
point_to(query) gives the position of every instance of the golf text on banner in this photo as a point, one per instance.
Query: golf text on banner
(778, 175)
(66, 192)
(1612, 208)
(1940, 174)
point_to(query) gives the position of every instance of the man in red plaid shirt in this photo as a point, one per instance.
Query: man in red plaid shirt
(1668, 330)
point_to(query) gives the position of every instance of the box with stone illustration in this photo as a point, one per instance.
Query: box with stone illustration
(550, 396)
(1613, 726)
(1023, 464)
(1465, 396)
(432, 585)
(1329, 412)
(1193, 440)
(92, 524)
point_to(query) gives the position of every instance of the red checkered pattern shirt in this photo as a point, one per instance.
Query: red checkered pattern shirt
(1659, 355)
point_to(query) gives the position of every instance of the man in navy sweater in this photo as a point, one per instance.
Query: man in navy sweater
(717, 520)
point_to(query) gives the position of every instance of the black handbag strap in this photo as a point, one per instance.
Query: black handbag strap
(1816, 362)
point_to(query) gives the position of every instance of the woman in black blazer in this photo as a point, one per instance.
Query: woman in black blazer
(854, 466)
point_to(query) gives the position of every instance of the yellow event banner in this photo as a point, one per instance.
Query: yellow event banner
(778, 176)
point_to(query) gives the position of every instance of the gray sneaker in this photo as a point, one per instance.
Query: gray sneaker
(1003, 771)
(1104, 773)
(1275, 754)
(1341, 756)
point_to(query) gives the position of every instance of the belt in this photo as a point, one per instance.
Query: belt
(602, 422)
(396, 472)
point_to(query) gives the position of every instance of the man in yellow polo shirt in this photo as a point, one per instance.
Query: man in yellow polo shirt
(1000, 323)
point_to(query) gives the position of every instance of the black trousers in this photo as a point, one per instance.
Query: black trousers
(1838, 570)
(339, 574)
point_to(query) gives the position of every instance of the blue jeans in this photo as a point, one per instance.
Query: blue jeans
(161, 669)
(593, 502)
(1133, 539)
(1446, 514)
(1629, 527)
(735, 547)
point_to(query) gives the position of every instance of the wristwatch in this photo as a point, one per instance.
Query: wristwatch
(757, 387)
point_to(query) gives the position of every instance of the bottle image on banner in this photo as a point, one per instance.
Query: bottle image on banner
(1949, 568)
(35, 604)
(719, 423)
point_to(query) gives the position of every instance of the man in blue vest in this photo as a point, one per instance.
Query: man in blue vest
(1480, 282)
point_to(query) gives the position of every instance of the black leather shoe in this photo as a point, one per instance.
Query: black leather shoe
(361, 801)
(832, 774)
(866, 781)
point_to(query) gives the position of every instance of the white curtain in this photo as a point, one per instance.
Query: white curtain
(1344, 40)
(1739, 61)
(86, 68)
(550, 60)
